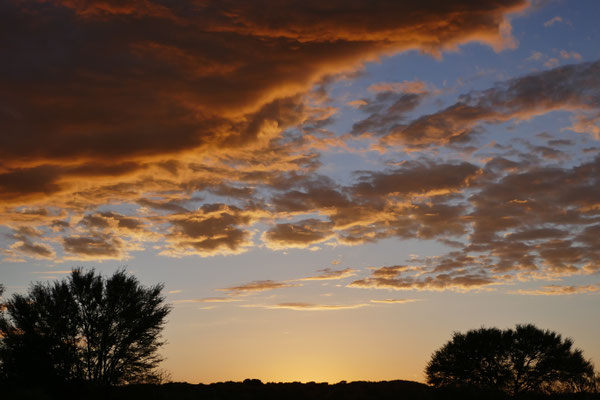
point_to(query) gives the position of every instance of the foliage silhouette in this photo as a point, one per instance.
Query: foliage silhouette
(83, 328)
(521, 360)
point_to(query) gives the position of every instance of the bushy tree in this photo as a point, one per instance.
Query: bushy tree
(524, 359)
(83, 328)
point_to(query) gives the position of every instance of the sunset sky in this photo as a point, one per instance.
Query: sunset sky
(327, 189)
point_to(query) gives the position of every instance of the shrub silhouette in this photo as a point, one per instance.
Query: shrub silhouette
(520, 360)
(83, 328)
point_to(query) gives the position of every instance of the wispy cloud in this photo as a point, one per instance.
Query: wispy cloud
(307, 306)
(554, 20)
(560, 290)
(257, 286)
(394, 301)
(331, 274)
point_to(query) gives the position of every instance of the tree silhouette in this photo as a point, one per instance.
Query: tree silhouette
(85, 327)
(524, 359)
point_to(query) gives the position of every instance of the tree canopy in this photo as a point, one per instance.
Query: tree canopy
(524, 359)
(83, 328)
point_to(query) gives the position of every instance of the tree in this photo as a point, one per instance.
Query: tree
(83, 328)
(524, 359)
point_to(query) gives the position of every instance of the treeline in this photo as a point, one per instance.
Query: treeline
(252, 389)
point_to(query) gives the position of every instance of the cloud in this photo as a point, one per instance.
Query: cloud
(537, 234)
(257, 286)
(35, 250)
(572, 88)
(524, 221)
(212, 229)
(402, 277)
(551, 62)
(28, 182)
(419, 178)
(414, 87)
(553, 20)
(194, 73)
(331, 274)
(148, 83)
(164, 115)
(97, 247)
(301, 234)
(407, 201)
(560, 290)
(570, 54)
(387, 111)
(317, 195)
(308, 306)
(556, 201)
(439, 282)
(154, 106)
(587, 123)
(162, 205)
(394, 301)
(20, 184)
(114, 222)
(26, 244)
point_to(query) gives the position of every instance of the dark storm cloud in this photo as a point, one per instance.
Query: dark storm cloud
(103, 79)
(41, 181)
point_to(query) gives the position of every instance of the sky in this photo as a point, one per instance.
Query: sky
(327, 190)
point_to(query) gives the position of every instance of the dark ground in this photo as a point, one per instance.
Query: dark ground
(256, 390)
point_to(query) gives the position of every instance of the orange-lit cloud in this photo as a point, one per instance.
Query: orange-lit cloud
(52, 272)
(171, 78)
(308, 306)
(393, 301)
(416, 178)
(212, 229)
(96, 247)
(191, 82)
(415, 87)
(559, 290)
(257, 286)
(331, 274)
(301, 234)
(128, 114)
(396, 278)
(180, 139)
